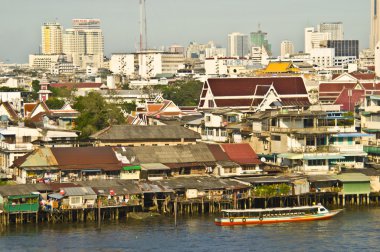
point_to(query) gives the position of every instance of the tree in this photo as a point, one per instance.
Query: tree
(182, 92)
(55, 103)
(35, 89)
(95, 114)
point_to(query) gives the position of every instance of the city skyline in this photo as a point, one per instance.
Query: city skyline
(175, 25)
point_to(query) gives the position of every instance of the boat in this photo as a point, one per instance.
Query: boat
(275, 215)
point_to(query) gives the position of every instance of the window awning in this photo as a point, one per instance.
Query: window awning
(341, 135)
(94, 170)
(132, 168)
(154, 166)
(322, 157)
(290, 155)
(371, 130)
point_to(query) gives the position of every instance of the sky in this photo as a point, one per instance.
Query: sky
(177, 21)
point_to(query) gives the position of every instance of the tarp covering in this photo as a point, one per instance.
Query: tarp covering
(352, 135)
(132, 168)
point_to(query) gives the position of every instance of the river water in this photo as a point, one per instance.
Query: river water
(352, 230)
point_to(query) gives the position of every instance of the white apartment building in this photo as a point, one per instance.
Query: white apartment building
(41, 61)
(366, 58)
(323, 57)
(122, 63)
(146, 64)
(51, 34)
(287, 48)
(84, 43)
(225, 66)
(203, 51)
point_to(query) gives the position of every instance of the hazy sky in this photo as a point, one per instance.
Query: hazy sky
(177, 21)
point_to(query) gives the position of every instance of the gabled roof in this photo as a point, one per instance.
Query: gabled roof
(247, 86)
(348, 98)
(280, 67)
(141, 133)
(28, 108)
(242, 154)
(12, 114)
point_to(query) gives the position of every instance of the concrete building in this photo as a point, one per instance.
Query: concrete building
(334, 28)
(259, 39)
(122, 63)
(375, 24)
(343, 48)
(323, 57)
(313, 38)
(377, 59)
(287, 47)
(84, 43)
(238, 45)
(41, 61)
(51, 38)
(202, 51)
(366, 59)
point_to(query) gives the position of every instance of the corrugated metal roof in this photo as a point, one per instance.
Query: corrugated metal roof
(154, 166)
(78, 191)
(352, 177)
(41, 157)
(142, 132)
(242, 154)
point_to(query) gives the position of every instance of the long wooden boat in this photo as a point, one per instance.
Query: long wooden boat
(274, 215)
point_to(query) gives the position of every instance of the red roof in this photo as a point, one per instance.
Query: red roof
(348, 102)
(78, 158)
(335, 87)
(76, 85)
(247, 86)
(242, 154)
(217, 152)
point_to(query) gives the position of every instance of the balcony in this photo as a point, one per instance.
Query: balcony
(357, 148)
(371, 125)
(316, 130)
(314, 149)
(16, 147)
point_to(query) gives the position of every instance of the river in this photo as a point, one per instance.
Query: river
(352, 230)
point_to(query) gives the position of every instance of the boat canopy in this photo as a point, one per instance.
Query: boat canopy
(259, 210)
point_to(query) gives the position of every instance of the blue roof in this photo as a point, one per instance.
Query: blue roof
(353, 135)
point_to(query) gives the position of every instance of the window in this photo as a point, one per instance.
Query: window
(208, 118)
(275, 138)
(316, 162)
(26, 139)
(310, 140)
(75, 200)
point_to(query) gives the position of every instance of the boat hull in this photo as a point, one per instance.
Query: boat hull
(270, 220)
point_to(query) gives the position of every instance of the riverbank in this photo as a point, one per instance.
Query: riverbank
(353, 230)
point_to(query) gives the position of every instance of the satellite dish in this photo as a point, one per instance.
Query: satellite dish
(263, 159)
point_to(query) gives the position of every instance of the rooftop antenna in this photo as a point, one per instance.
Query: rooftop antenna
(259, 27)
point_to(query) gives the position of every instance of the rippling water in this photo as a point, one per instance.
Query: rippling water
(353, 230)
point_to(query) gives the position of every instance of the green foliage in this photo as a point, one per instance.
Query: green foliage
(348, 119)
(9, 89)
(128, 106)
(55, 103)
(95, 114)
(60, 92)
(272, 190)
(35, 89)
(182, 92)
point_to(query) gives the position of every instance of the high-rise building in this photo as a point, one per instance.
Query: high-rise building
(84, 43)
(238, 45)
(313, 38)
(344, 47)
(51, 34)
(287, 47)
(259, 39)
(334, 28)
(375, 24)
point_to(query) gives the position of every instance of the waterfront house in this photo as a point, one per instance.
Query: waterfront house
(21, 198)
(68, 165)
(244, 156)
(224, 166)
(354, 184)
(140, 135)
(194, 159)
(373, 174)
(323, 183)
(312, 141)
(78, 197)
(115, 192)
